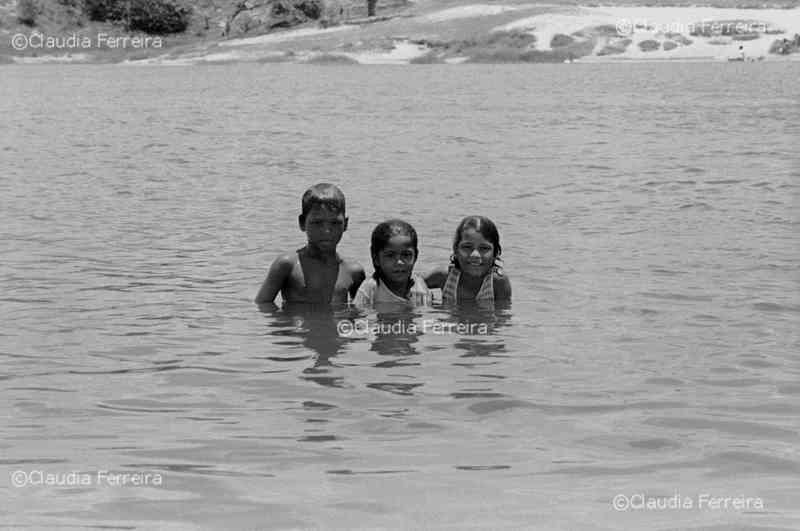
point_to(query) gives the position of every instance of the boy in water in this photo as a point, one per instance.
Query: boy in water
(315, 274)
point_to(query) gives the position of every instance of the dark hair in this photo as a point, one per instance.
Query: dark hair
(482, 225)
(381, 236)
(322, 194)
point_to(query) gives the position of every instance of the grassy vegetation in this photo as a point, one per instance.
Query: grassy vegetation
(331, 59)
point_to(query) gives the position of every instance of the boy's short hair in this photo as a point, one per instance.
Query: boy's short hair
(322, 194)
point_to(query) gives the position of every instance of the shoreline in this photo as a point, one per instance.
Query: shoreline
(491, 33)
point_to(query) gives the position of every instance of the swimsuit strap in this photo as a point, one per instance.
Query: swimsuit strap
(486, 293)
(450, 289)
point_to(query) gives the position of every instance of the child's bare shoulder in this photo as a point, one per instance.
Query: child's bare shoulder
(436, 277)
(284, 262)
(278, 277)
(353, 268)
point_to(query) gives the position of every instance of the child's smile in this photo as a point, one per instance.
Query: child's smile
(475, 254)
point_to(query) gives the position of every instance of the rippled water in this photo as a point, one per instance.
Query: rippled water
(648, 216)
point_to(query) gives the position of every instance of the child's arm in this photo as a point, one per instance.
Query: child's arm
(502, 287)
(279, 272)
(365, 296)
(358, 276)
(436, 278)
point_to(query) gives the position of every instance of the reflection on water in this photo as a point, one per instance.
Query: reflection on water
(322, 334)
(315, 330)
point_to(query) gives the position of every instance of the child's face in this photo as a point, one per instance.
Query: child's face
(475, 254)
(324, 227)
(397, 259)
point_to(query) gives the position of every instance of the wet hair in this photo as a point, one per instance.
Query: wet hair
(381, 236)
(485, 227)
(324, 195)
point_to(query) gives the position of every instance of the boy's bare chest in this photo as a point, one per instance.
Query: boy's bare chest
(313, 281)
(320, 276)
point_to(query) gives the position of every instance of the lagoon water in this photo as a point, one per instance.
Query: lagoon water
(648, 215)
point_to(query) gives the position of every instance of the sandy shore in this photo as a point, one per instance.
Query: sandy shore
(669, 24)
(469, 32)
(509, 32)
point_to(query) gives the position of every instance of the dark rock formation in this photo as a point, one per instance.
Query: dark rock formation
(149, 16)
(669, 45)
(265, 15)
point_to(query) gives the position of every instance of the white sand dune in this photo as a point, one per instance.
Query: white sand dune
(662, 20)
(645, 23)
(469, 11)
(402, 53)
(283, 36)
(46, 59)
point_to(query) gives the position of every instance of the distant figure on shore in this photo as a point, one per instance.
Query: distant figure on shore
(741, 52)
(315, 273)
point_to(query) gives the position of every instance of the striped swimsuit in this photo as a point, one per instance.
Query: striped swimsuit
(450, 289)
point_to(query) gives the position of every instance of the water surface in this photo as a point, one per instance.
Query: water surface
(648, 215)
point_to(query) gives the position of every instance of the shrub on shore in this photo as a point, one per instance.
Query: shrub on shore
(430, 58)
(785, 46)
(727, 28)
(149, 16)
(649, 45)
(27, 11)
(513, 39)
(513, 55)
(560, 39)
(615, 47)
(679, 38)
(331, 59)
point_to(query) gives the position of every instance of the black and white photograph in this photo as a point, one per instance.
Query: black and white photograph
(400, 265)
